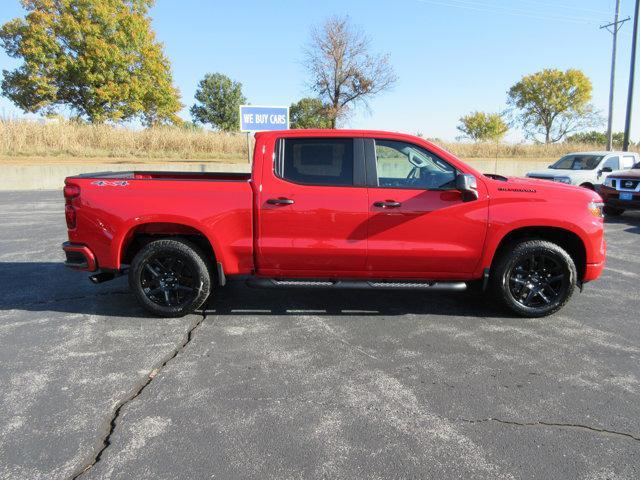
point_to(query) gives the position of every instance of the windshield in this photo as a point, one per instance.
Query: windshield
(577, 162)
(637, 165)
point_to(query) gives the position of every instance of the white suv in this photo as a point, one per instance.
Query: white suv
(587, 169)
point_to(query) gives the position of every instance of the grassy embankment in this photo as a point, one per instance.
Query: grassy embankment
(23, 142)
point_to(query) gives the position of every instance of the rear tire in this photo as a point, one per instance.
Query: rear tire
(170, 277)
(612, 211)
(534, 278)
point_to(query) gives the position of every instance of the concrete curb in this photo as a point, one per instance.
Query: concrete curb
(51, 177)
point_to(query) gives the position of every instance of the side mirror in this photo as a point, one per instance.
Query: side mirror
(604, 170)
(468, 185)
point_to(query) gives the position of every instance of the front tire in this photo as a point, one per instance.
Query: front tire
(170, 277)
(534, 278)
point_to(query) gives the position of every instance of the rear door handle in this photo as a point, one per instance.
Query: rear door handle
(280, 201)
(388, 204)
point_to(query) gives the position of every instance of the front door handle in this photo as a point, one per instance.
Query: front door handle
(280, 201)
(387, 204)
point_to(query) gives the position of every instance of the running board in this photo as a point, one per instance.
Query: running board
(357, 284)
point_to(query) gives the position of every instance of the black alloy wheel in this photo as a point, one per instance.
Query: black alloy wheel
(170, 277)
(533, 278)
(537, 280)
(168, 281)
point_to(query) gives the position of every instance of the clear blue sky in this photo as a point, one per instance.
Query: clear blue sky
(451, 56)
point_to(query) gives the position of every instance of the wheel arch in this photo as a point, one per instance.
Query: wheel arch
(140, 235)
(566, 239)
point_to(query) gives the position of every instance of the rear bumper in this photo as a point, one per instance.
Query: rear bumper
(79, 257)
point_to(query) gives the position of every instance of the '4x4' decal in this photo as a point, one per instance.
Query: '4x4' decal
(110, 183)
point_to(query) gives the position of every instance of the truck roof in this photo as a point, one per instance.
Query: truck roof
(330, 131)
(603, 152)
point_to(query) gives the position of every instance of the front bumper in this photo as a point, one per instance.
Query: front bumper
(611, 198)
(593, 271)
(79, 257)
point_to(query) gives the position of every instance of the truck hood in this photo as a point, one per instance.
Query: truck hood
(517, 184)
(556, 172)
(537, 183)
(633, 173)
(548, 173)
(576, 177)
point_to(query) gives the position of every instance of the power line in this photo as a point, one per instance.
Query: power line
(566, 7)
(496, 9)
(493, 8)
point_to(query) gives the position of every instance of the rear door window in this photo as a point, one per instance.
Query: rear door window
(628, 161)
(316, 161)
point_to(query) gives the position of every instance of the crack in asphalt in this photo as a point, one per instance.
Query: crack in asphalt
(106, 439)
(577, 426)
(540, 423)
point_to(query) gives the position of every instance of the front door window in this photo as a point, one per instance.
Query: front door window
(404, 165)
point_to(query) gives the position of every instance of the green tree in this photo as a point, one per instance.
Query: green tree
(218, 102)
(98, 58)
(343, 71)
(596, 138)
(309, 113)
(483, 127)
(553, 103)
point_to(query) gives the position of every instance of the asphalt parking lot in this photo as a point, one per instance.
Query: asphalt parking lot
(308, 384)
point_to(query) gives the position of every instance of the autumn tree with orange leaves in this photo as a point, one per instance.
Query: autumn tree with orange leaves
(98, 58)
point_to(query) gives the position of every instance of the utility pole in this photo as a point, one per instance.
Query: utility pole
(632, 74)
(613, 28)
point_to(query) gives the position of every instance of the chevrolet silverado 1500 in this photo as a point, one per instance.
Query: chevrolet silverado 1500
(336, 209)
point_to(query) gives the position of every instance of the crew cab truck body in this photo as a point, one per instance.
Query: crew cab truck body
(336, 208)
(586, 169)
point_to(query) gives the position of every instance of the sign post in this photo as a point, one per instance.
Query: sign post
(258, 118)
(248, 148)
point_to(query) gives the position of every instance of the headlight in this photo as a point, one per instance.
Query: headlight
(608, 182)
(596, 209)
(566, 180)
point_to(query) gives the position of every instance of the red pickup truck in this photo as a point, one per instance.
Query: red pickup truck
(336, 209)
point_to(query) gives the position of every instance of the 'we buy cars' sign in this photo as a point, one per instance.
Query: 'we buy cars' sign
(255, 118)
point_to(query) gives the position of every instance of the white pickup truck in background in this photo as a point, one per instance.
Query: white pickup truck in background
(586, 169)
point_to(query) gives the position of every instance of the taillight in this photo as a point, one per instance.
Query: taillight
(70, 216)
(71, 191)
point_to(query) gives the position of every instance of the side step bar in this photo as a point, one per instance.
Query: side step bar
(357, 284)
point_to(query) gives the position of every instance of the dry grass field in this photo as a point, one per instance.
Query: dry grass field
(26, 142)
(67, 142)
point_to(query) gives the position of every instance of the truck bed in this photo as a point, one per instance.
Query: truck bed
(112, 208)
(168, 175)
